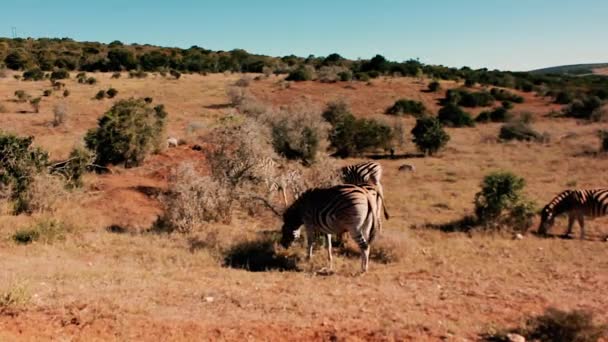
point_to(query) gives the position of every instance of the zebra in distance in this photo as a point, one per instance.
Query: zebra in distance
(366, 173)
(577, 204)
(330, 211)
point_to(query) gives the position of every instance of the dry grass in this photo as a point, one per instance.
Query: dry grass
(422, 285)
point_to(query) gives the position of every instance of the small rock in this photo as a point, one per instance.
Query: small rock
(515, 338)
(209, 299)
(518, 236)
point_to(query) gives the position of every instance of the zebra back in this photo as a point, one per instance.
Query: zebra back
(362, 173)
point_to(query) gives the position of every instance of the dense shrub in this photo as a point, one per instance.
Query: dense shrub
(116, 75)
(100, 95)
(564, 97)
(66, 93)
(429, 135)
(16, 60)
(138, 74)
(111, 93)
(72, 169)
(35, 103)
(434, 86)
(500, 114)
(91, 80)
(362, 76)
(47, 92)
(22, 96)
(405, 106)
(583, 108)
(505, 95)
(351, 136)
(345, 76)
(467, 99)
(300, 74)
(127, 133)
(520, 130)
(19, 163)
(452, 115)
(60, 74)
(45, 231)
(176, 74)
(562, 326)
(603, 135)
(501, 201)
(33, 75)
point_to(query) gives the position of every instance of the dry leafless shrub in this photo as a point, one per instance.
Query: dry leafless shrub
(45, 194)
(60, 114)
(14, 297)
(193, 200)
(330, 74)
(244, 81)
(3, 108)
(237, 95)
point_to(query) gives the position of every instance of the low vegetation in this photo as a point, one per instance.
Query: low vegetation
(465, 98)
(499, 114)
(405, 106)
(520, 130)
(429, 135)
(127, 133)
(453, 116)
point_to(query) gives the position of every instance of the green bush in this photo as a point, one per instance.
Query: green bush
(47, 232)
(345, 76)
(583, 108)
(351, 136)
(35, 103)
(505, 95)
(60, 74)
(564, 97)
(91, 80)
(501, 201)
(429, 135)
(434, 86)
(564, 326)
(138, 74)
(19, 163)
(74, 167)
(16, 60)
(176, 74)
(520, 130)
(362, 76)
(66, 93)
(116, 75)
(500, 114)
(34, 74)
(111, 93)
(405, 106)
(127, 133)
(300, 74)
(464, 98)
(100, 95)
(22, 96)
(452, 115)
(47, 92)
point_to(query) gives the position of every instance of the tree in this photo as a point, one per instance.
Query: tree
(429, 135)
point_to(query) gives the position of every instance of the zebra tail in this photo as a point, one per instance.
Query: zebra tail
(375, 220)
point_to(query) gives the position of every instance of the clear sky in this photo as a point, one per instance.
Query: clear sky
(503, 34)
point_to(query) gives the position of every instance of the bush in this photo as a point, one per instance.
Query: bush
(111, 93)
(298, 133)
(583, 108)
(176, 74)
(453, 116)
(46, 231)
(520, 130)
(66, 93)
(244, 81)
(603, 135)
(138, 74)
(72, 169)
(3, 108)
(300, 74)
(564, 97)
(352, 136)
(500, 114)
(19, 164)
(100, 95)
(127, 133)
(362, 76)
(466, 99)
(60, 74)
(558, 325)
(429, 135)
(22, 96)
(116, 75)
(47, 92)
(193, 200)
(33, 75)
(405, 106)
(44, 194)
(505, 95)
(345, 76)
(91, 80)
(501, 201)
(434, 86)
(35, 103)
(60, 114)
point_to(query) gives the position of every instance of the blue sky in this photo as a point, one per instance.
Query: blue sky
(503, 34)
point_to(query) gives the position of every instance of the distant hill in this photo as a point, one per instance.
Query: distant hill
(573, 69)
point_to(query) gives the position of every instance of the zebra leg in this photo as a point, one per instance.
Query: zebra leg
(581, 222)
(364, 247)
(310, 239)
(331, 261)
(570, 225)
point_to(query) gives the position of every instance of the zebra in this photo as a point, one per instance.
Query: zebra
(333, 210)
(577, 204)
(366, 173)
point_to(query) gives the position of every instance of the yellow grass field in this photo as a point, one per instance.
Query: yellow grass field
(102, 285)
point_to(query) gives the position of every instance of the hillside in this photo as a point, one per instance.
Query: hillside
(113, 277)
(573, 69)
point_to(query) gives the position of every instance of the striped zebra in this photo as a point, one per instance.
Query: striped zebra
(334, 210)
(366, 173)
(577, 204)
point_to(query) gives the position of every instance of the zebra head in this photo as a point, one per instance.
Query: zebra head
(547, 218)
(292, 220)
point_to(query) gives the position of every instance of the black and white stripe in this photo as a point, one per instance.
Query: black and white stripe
(366, 173)
(330, 211)
(578, 204)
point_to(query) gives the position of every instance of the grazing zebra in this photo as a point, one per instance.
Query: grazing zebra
(577, 204)
(366, 173)
(334, 210)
